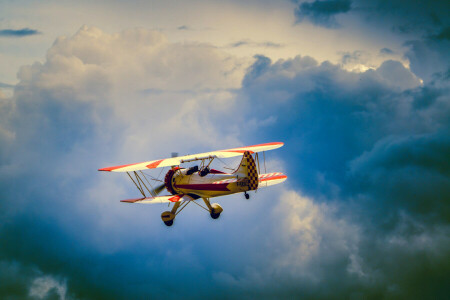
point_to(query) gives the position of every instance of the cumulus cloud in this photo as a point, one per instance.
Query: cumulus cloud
(324, 105)
(83, 109)
(376, 140)
(101, 99)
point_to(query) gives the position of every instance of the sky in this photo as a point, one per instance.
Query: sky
(357, 90)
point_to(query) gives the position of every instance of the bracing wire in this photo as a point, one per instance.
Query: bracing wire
(226, 165)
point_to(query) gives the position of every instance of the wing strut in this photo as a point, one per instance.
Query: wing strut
(138, 185)
(264, 154)
(182, 207)
(257, 159)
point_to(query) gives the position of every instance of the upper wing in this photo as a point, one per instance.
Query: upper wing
(160, 199)
(181, 159)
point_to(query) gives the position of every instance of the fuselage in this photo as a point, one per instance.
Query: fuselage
(213, 184)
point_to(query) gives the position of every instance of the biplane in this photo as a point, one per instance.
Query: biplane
(186, 185)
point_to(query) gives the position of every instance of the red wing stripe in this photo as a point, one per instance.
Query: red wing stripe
(175, 198)
(109, 169)
(154, 164)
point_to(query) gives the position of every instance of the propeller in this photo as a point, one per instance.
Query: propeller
(161, 187)
(158, 189)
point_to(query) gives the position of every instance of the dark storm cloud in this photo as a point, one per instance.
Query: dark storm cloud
(322, 12)
(429, 58)
(376, 140)
(18, 32)
(412, 17)
(426, 25)
(323, 105)
(444, 34)
(413, 171)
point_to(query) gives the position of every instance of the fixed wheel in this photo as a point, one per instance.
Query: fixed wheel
(216, 210)
(215, 216)
(168, 223)
(168, 218)
(247, 196)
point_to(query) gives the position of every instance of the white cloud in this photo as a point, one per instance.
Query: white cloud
(41, 287)
(86, 107)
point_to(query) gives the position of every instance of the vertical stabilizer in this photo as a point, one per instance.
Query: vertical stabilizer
(247, 169)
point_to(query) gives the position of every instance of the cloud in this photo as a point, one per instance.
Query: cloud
(321, 105)
(376, 141)
(83, 109)
(415, 17)
(444, 34)
(255, 44)
(6, 85)
(428, 58)
(324, 233)
(28, 282)
(43, 287)
(399, 164)
(386, 51)
(322, 12)
(18, 32)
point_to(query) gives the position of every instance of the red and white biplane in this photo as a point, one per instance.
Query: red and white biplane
(187, 185)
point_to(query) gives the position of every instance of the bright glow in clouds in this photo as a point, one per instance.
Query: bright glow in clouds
(363, 214)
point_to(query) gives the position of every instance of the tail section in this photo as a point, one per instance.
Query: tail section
(247, 169)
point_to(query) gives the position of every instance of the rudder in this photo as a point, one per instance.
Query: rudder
(247, 168)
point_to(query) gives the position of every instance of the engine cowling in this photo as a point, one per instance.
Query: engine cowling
(168, 180)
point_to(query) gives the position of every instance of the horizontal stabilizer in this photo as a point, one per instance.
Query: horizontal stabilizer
(269, 179)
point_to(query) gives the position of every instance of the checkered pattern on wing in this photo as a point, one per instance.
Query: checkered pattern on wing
(252, 172)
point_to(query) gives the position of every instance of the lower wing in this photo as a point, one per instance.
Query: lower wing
(160, 199)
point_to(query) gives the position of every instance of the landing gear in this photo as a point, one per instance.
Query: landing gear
(169, 216)
(214, 209)
(215, 216)
(247, 196)
(168, 223)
